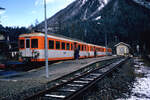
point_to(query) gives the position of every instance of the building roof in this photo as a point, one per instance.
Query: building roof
(122, 43)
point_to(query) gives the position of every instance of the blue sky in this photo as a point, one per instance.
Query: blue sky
(25, 12)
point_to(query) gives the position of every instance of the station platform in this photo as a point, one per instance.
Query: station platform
(27, 83)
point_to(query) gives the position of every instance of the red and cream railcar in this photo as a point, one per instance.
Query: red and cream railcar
(31, 47)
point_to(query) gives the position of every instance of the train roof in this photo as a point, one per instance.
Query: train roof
(57, 36)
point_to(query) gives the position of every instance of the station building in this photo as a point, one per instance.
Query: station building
(7, 48)
(122, 49)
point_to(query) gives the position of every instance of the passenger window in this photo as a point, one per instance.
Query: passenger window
(63, 45)
(68, 46)
(91, 48)
(21, 44)
(27, 43)
(51, 44)
(34, 43)
(79, 47)
(71, 46)
(85, 47)
(57, 45)
(82, 47)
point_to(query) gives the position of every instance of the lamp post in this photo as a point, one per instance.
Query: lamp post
(46, 48)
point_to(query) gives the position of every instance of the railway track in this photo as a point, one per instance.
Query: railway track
(69, 89)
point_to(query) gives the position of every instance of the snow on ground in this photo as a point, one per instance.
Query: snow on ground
(141, 90)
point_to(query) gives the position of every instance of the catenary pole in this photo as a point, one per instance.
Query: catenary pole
(106, 40)
(46, 48)
(1, 9)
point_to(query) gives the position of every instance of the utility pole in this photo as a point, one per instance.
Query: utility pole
(106, 40)
(1, 9)
(138, 49)
(46, 48)
(85, 30)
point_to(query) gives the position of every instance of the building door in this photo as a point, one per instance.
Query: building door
(122, 51)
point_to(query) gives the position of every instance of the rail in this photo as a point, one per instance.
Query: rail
(73, 87)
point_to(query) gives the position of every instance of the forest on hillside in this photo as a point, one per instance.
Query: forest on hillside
(127, 22)
(13, 32)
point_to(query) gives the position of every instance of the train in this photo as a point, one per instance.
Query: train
(32, 48)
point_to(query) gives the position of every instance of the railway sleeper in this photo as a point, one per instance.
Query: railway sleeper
(49, 98)
(69, 87)
(80, 81)
(66, 90)
(75, 85)
(54, 95)
(95, 74)
(87, 79)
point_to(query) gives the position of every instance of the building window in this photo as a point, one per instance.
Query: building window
(57, 45)
(63, 46)
(51, 44)
(34, 43)
(21, 44)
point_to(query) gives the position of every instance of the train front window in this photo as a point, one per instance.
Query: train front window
(57, 45)
(34, 43)
(21, 44)
(27, 43)
(51, 44)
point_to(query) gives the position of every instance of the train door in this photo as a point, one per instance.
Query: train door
(27, 47)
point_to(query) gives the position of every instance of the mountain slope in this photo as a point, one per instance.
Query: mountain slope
(93, 20)
(78, 10)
